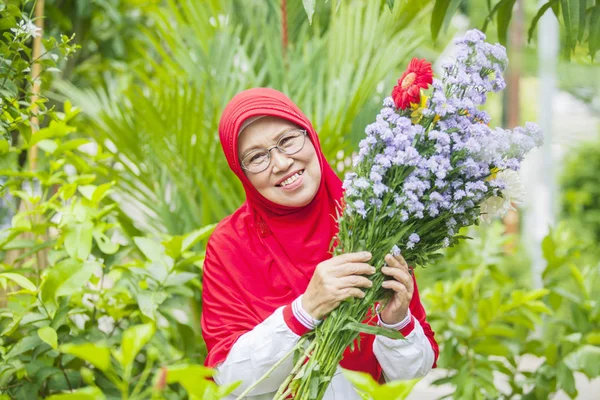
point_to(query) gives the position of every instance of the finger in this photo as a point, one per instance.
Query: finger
(355, 281)
(399, 275)
(351, 292)
(401, 260)
(395, 263)
(361, 256)
(395, 286)
(354, 269)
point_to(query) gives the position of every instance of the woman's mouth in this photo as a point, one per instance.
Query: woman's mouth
(292, 182)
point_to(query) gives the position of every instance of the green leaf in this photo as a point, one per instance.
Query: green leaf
(101, 192)
(505, 12)
(539, 307)
(593, 338)
(570, 13)
(491, 14)
(67, 277)
(88, 393)
(361, 380)
(594, 38)
(390, 4)
(373, 330)
(537, 17)
(153, 250)
(179, 278)
(49, 146)
(437, 18)
(309, 8)
(134, 339)
(87, 191)
(149, 302)
(491, 347)
(19, 280)
(173, 247)
(586, 359)
(104, 243)
(97, 355)
(397, 390)
(193, 379)
(565, 380)
(225, 390)
(499, 330)
(78, 240)
(48, 335)
(196, 236)
(24, 345)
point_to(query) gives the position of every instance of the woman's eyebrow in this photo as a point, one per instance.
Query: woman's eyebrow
(279, 135)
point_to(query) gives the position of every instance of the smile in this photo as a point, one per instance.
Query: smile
(289, 181)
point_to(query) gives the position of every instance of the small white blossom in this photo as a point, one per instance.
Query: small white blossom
(106, 324)
(513, 193)
(27, 28)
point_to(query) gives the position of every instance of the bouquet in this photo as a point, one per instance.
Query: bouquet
(430, 164)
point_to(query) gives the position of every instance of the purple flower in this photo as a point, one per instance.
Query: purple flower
(361, 183)
(359, 206)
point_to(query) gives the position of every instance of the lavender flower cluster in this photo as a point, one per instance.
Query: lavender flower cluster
(442, 165)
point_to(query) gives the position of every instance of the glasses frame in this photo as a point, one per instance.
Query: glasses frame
(276, 146)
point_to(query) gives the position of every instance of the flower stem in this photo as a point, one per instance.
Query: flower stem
(273, 368)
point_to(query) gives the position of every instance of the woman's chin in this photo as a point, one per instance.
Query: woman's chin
(297, 199)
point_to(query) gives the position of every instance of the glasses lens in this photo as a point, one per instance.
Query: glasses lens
(257, 161)
(292, 142)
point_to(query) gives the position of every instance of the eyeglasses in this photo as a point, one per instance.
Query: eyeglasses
(290, 143)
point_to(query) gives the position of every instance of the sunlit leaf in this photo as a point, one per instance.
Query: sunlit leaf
(95, 354)
(48, 335)
(20, 280)
(88, 393)
(134, 339)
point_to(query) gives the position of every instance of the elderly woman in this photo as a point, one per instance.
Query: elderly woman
(268, 274)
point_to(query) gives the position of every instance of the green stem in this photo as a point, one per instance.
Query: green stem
(270, 371)
(282, 392)
(140, 384)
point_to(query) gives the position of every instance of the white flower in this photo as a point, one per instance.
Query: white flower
(79, 320)
(27, 28)
(513, 193)
(106, 324)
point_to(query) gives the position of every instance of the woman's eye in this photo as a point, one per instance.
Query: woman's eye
(257, 158)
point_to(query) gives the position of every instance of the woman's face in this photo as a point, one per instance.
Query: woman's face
(302, 166)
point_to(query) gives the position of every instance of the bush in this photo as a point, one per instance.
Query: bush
(580, 187)
(107, 313)
(486, 321)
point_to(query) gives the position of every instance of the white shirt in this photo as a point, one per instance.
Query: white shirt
(256, 351)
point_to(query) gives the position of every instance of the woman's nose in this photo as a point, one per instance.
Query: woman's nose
(281, 161)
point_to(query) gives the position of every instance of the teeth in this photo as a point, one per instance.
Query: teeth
(291, 179)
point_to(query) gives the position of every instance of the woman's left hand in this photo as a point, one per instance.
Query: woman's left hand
(402, 284)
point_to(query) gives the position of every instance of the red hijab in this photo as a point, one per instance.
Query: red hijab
(263, 256)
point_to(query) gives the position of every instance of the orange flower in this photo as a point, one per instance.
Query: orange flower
(417, 76)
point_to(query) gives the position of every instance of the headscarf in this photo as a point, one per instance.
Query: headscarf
(263, 256)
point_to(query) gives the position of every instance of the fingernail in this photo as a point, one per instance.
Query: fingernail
(367, 254)
(373, 270)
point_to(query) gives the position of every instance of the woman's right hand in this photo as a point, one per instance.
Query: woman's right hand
(335, 280)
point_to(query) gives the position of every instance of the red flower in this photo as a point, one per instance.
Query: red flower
(418, 75)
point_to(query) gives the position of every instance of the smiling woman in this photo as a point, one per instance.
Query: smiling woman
(269, 277)
(291, 174)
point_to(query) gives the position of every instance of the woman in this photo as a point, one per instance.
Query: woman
(268, 276)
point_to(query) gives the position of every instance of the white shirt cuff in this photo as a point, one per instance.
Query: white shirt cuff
(302, 316)
(397, 326)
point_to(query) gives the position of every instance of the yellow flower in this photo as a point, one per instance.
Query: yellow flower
(493, 174)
